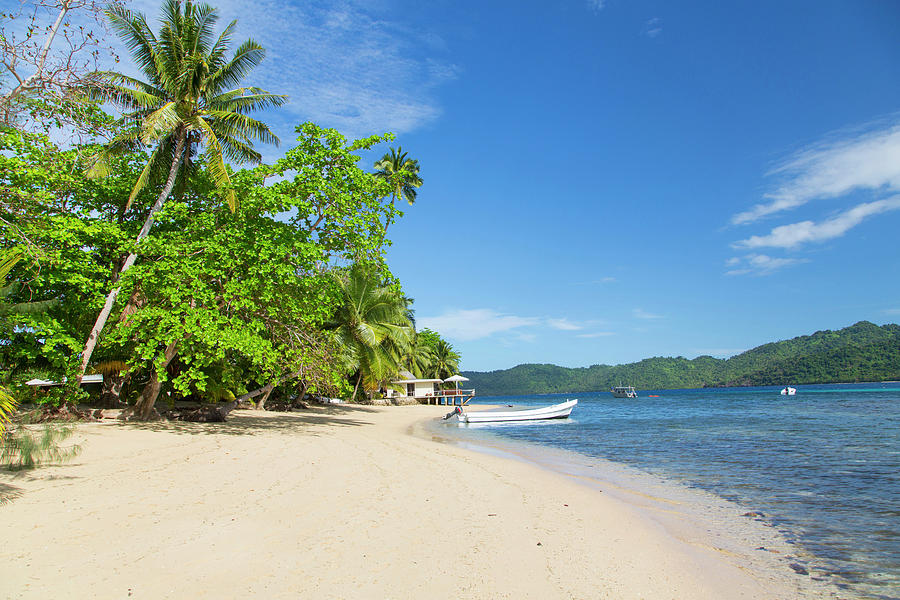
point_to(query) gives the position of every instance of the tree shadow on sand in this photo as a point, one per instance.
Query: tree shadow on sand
(313, 421)
(8, 493)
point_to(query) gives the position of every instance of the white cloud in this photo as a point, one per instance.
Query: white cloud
(653, 27)
(891, 311)
(759, 264)
(596, 334)
(640, 313)
(830, 169)
(473, 324)
(596, 5)
(564, 324)
(341, 62)
(789, 236)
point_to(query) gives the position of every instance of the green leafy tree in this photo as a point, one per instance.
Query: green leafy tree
(371, 322)
(184, 103)
(229, 301)
(76, 225)
(19, 447)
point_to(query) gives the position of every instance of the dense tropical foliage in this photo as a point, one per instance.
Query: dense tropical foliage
(212, 284)
(184, 103)
(861, 352)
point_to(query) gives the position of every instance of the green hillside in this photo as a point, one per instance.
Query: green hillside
(861, 352)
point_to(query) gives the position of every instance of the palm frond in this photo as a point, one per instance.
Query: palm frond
(133, 30)
(248, 56)
(216, 164)
(217, 52)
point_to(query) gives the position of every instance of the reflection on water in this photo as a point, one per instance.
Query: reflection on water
(823, 466)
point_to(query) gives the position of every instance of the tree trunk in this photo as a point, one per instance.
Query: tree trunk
(302, 397)
(356, 387)
(94, 336)
(143, 409)
(113, 384)
(262, 390)
(261, 405)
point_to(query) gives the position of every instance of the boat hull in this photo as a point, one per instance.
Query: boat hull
(623, 391)
(557, 411)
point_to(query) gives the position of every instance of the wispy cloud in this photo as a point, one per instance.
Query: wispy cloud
(342, 64)
(891, 311)
(653, 27)
(478, 323)
(759, 264)
(473, 324)
(789, 236)
(867, 159)
(602, 280)
(596, 334)
(639, 313)
(596, 5)
(564, 325)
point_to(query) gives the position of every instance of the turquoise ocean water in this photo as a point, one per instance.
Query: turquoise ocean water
(823, 467)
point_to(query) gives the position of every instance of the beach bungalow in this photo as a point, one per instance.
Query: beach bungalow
(428, 391)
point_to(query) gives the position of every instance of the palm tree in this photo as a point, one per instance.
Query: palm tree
(401, 172)
(419, 359)
(372, 324)
(183, 104)
(446, 360)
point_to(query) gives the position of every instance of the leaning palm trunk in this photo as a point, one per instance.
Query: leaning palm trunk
(92, 339)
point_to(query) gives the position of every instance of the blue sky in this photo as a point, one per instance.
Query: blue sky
(609, 181)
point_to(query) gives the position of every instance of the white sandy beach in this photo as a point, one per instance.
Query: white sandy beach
(341, 502)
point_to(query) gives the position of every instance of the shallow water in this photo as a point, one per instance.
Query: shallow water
(822, 466)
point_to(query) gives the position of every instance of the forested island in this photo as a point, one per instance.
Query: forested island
(861, 352)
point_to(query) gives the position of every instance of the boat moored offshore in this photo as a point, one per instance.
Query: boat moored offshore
(623, 391)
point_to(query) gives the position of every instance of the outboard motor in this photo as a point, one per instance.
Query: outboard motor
(456, 411)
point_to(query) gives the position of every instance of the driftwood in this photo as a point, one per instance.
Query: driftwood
(205, 414)
(65, 412)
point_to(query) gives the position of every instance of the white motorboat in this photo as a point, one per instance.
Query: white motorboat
(789, 391)
(505, 415)
(623, 391)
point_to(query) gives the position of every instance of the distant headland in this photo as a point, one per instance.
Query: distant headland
(861, 352)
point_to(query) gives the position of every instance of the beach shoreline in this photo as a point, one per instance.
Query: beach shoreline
(342, 502)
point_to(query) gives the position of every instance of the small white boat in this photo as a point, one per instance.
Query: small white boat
(505, 415)
(789, 391)
(623, 391)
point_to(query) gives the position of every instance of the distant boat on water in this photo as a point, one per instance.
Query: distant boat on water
(789, 391)
(623, 391)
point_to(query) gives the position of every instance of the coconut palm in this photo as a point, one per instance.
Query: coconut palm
(401, 172)
(446, 360)
(184, 103)
(372, 324)
(420, 357)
